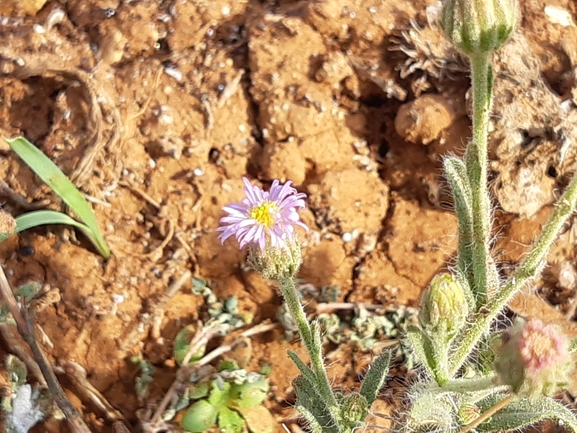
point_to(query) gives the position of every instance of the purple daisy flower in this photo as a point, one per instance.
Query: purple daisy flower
(263, 218)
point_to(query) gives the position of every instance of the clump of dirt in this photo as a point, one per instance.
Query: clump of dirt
(156, 110)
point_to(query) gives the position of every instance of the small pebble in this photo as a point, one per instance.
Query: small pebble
(558, 15)
(347, 237)
(117, 299)
(173, 73)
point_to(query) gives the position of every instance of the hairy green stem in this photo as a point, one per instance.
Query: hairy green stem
(469, 385)
(476, 161)
(526, 271)
(289, 292)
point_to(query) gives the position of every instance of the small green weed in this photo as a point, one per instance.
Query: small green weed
(65, 189)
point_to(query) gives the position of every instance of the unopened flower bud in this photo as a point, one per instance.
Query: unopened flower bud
(479, 26)
(276, 263)
(354, 408)
(444, 308)
(533, 358)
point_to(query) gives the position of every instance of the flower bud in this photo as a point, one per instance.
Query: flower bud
(354, 408)
(533, 358)
(444, 308)
(276, 263)
(479, 26)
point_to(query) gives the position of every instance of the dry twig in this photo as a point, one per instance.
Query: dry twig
(25, 326)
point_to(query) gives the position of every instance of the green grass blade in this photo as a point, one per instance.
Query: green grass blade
(43, 217)
(61, 185)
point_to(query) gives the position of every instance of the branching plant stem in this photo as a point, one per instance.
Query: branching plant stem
(25, 326)
(526, 271)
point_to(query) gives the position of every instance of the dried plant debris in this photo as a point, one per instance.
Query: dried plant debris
(371, 330)
(531, 141)
(25, 406)
(427, 58)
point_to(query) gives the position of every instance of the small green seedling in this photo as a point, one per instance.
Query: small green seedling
(65, 189)
(182, 345)
(231, 401)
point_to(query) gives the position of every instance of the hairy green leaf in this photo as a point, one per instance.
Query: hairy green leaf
(525, 412)
(375, 377)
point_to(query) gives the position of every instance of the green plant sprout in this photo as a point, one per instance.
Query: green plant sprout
(230, 400)
(65, 189)
(201, 395)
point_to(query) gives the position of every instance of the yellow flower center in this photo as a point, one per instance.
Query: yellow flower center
(264, 213)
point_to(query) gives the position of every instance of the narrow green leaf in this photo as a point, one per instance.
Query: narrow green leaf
(375, 377)
(311, 405)
(456, 174)
(305, 370)
(43, 217)
(422, 346)
(61, 185)
(525, 412)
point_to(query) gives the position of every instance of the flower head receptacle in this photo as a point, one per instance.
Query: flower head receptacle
(276, 263)
(479, 26)
(444, 308)
(533, 358)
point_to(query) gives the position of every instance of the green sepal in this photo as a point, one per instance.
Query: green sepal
(375, 377)
(525, 412)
